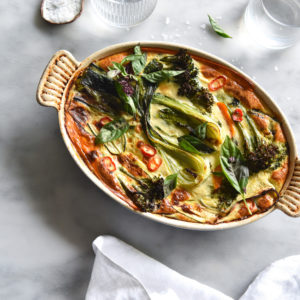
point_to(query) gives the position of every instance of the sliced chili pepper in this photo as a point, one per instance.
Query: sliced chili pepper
(104, 121)
(217, 83)
(154, 163)
(237, 115)
(148, 150)
(108, 164)
(139, 144)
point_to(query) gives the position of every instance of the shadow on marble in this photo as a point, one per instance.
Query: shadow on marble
(70, 203)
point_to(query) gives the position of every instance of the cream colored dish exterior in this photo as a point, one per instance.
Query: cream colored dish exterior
(53, 90)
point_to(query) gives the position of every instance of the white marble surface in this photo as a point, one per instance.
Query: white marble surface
(50, 212)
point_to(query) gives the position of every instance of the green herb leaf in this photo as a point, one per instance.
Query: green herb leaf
(192, 144)
(139, 64)
(159, 76)
(112, 131)
(217, 28)
(138, 60)
(127, 100)
(186, 145)
(170, 183)
(242, 177)
(235, 171)
(200, 131)
(116, 69)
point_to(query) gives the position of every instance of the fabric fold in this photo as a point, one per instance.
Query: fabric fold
(122, 272)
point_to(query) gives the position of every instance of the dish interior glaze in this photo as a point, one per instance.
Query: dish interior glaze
(177, 135)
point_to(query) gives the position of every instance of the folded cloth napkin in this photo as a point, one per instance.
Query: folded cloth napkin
(121, 272)
(279, 281)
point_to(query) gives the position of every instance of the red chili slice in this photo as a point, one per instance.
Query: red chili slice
(217, 83)
(104, 121)
(237, 115)
(148, 150)
(154, 163)
(108, 164)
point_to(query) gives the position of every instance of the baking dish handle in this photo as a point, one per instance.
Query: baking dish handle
(55, 78)
(289, 203)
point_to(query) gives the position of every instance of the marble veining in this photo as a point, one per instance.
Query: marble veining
(50, 212)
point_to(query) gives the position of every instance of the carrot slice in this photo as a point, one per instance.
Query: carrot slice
(217, 180)
(224, 110)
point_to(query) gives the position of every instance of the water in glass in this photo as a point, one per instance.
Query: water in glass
(124, 13)
(273, 23)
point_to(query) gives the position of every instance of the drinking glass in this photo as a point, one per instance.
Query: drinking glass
(273, 23)
(124, 13)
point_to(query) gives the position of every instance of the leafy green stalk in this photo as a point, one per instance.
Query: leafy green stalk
(193, 144)
(212, 129)
(176, 159)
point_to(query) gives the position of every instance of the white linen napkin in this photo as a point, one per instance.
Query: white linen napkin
(279, 281)
(121, 272)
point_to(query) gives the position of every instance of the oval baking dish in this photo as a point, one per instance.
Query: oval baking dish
(56, 89)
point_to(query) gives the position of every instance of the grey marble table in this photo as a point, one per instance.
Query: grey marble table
(50, 212)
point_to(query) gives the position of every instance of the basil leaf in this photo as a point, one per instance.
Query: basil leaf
(128, 102)
(158, 76)
(218, 30)
(186, 145)
(231, 160)
(170, 183)
(200, 131)
(139, 64)
(242, 177)
(192, 144)
(116, 69)
(138, 60)
(112, 131)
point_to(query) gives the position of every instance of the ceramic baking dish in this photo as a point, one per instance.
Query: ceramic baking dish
(53, 90)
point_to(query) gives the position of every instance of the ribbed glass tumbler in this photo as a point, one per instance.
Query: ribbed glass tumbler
(124, 13)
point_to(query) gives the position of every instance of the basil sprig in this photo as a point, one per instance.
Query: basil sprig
(138, 60)
(170, 183)
(128, 102)
(112, 131)
(193, 144)
(218, 30)
(200, 131)
(116, 69)
(159, 76)
(233, 167)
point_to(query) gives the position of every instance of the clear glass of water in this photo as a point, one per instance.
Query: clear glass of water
(124, 13)
(273, 23)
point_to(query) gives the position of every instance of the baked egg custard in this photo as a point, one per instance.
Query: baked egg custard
(177, 135)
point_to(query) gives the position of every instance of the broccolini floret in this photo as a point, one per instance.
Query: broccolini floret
(189, 85)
